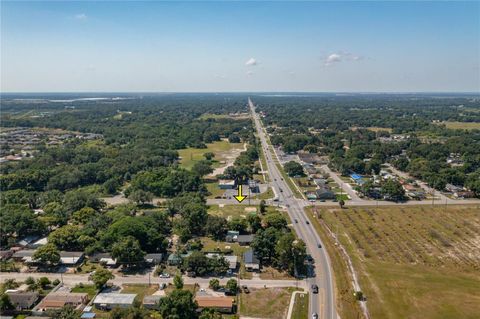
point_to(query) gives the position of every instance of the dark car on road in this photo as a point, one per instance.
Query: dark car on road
(315, 289)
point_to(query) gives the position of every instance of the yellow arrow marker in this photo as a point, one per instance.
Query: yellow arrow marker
(240, 197)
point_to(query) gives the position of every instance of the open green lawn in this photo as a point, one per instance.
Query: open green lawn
(300, 307)
(265, 195)
(87, 267)
(140, 289)
(214, 190)
(462, 125)
(210, 245)
(221, 149)
(265, 303)
(229, 211)
(413, 262)
(272, 273)
(171, 288)
(89, 289)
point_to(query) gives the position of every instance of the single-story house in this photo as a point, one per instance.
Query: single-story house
(25, 241)
(5, 254)
(23, 255)
(114, 300)
(176, 259)
(357, 179)
(221, 304)
(232, 260)
(320, 182)
(453, 188)
(245, 239)
(103, 258)
(38, 243)
(88, 315)
(251, 261)
(226, 184)
(22, 300)
(154, 259)
(57, 300)
(151, 302)
(71, 257)
(324, 193)
(464, 194)
(232, 236)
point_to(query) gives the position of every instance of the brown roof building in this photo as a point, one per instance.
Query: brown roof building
(22, 300)
(220, 304)
(57, 300)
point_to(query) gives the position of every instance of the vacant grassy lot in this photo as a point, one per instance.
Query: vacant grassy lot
(89, 289)
(229, 211)
(265, 303)
(300, 307)
(214, 190)
(272, 273)
(140, 289)
(222, 150)
(413, 262)
(210, 245)
(462, 125)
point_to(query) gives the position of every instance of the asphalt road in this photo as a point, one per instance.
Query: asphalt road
(74, 279)
(322, 303)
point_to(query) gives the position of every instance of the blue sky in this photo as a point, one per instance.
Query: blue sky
(240, 46)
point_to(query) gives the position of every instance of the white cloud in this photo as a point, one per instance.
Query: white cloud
(80, 16)
(340, 56)
(333, 58)
(251, 62)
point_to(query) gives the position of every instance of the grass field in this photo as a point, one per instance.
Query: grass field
(140, 289)
(214, 189)
(413, 262)
(462, 125)
(210, 245)
(229, 211)
(265, 195)
(89, 289)
(222, 150)
(265, 303)
(268, 273)
(300, 307)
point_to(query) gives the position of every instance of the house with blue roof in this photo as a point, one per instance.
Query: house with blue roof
(357, 179)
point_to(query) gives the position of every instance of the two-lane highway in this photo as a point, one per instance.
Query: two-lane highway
(322, 303)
